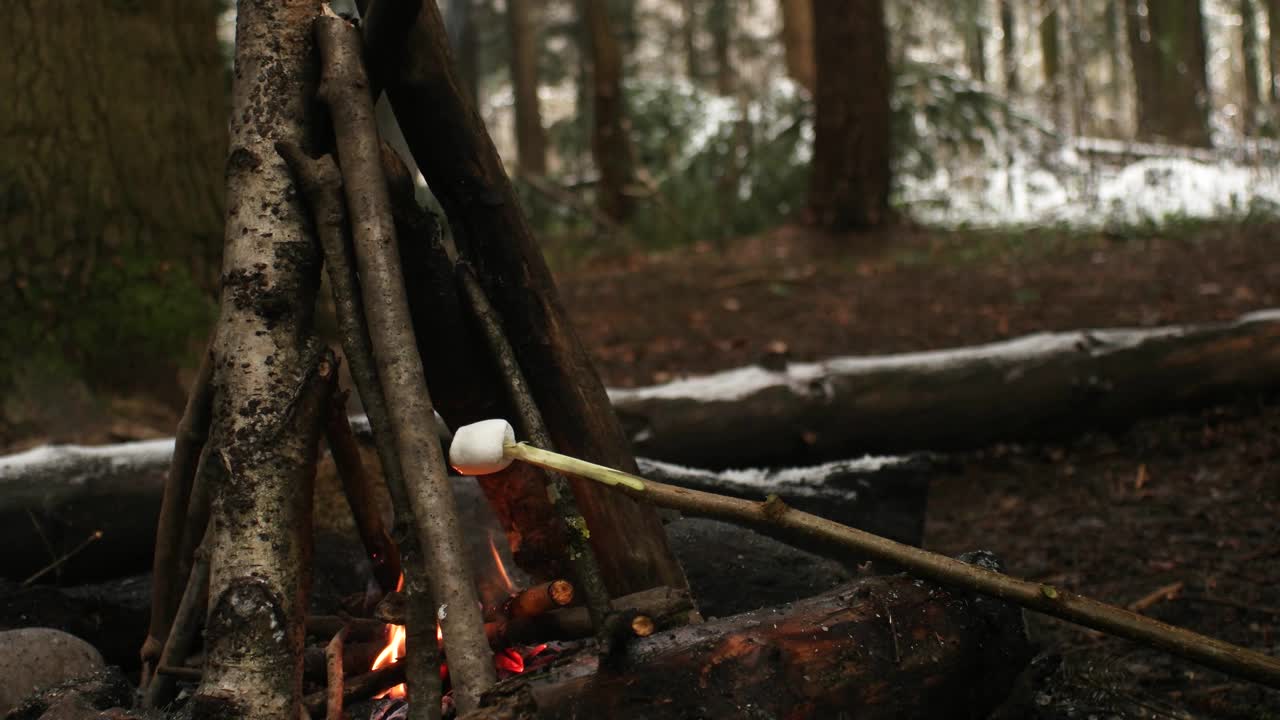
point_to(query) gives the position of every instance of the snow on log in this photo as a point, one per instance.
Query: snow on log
(883, 647)
(1035, 387)
(883, 495)
(53, 497)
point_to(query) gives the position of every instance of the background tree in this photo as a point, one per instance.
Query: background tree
(1051, 59)
(689, 36)
(971, 23)
(1249, 54)
(1273, 47)
(721, 19)
(1168, 51)
(849, 185)
(112, 145)
(460, 22)
(531, 138)
(1009, 59)
(610, 145)
(797, 41)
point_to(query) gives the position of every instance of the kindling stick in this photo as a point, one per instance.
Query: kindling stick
(490, 445)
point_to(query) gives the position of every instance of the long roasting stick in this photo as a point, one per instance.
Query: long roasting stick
(775, 514)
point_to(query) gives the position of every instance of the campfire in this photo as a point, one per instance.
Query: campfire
(606, 618)
(505, 612)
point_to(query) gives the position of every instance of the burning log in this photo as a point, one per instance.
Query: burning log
(1049, 385)
(534, 601)
(885, 647)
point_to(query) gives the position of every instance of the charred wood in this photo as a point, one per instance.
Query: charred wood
(886, 647)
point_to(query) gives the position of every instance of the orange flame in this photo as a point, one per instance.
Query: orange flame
(509, 586)
(394, 650)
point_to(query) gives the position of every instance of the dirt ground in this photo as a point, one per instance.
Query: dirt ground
(1178, 516)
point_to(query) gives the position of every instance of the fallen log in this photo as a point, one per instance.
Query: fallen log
(52, 498)
(884, 647)
(1040, 386)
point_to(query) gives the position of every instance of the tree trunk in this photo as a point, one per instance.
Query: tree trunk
(1079, 98)
(466, 175)
(531, 138)
(1249, 51)
(1117, 79)
(460, 22)
(1167, 46)
(1051, 61)
(610, 144)
(1009, 58)
(112, 146)
(1273, 47)
(849, 188)
(972, 25)
(720, 18)
(879, 648)
(797, 42)
(268, 379)
(1050, 385)
(689, 34)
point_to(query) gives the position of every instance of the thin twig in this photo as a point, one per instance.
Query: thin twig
(775, 515)
(93, 537)
(186, 624)
(582, 556)
(344, 89)
(167, 571)
(1158, 595)
(334, 673)
(359, 491)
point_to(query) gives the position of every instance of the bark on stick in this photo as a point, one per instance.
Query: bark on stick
(344, 88)
(322, 183)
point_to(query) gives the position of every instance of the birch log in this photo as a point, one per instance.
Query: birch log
(267, 366)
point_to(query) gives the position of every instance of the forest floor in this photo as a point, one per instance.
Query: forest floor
(1179, 514)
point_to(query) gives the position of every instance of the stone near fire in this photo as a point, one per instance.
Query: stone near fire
(32, 659)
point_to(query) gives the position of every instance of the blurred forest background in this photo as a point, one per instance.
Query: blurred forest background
(633, 127)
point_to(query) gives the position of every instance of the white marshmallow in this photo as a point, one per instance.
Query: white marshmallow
(477, 449)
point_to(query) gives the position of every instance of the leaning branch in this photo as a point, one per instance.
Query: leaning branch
(189, 440)
(344, 88)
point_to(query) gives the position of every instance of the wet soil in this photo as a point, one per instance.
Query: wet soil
(1178, 517)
